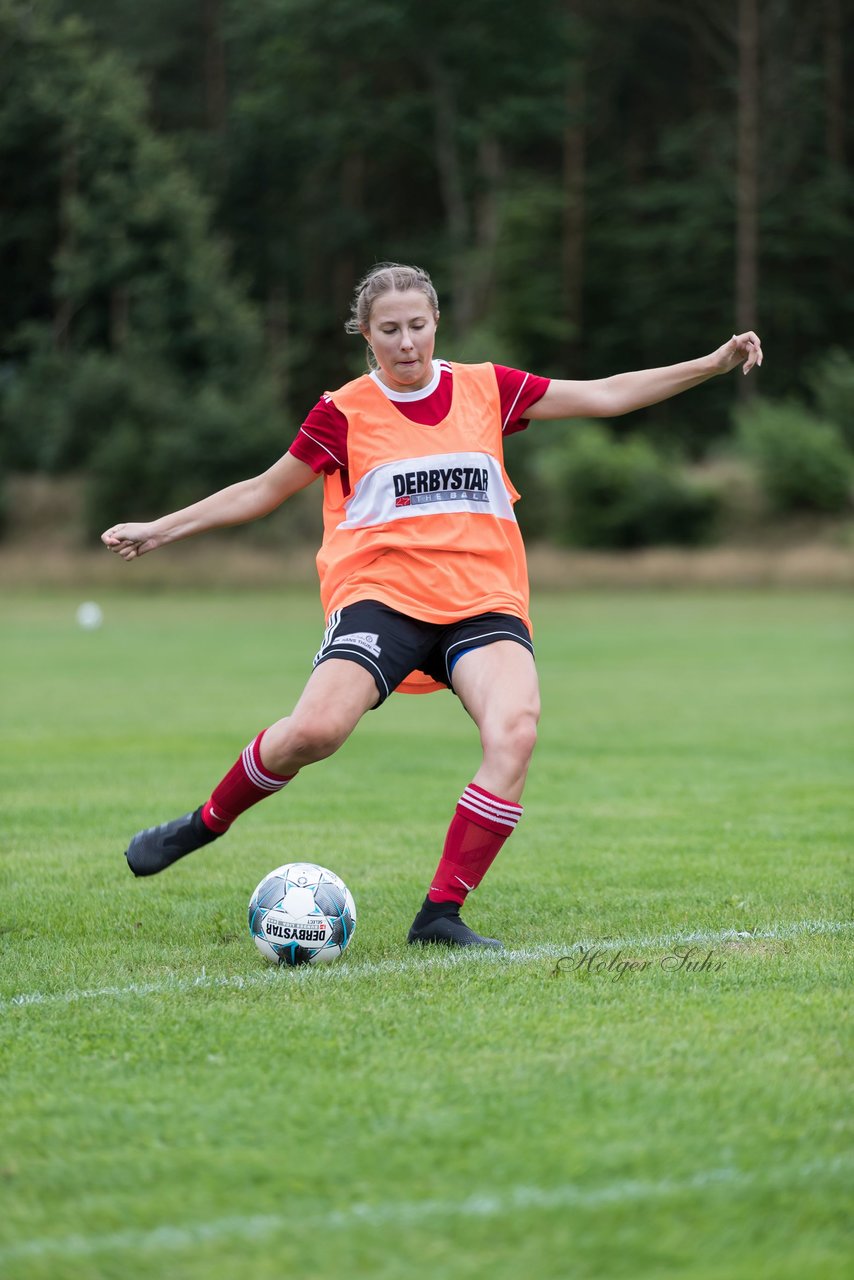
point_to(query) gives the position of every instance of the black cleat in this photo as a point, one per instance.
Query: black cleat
(450, 931)
(157, 848)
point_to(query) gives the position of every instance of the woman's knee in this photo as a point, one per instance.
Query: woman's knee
(337, 695)
(302, 740)
(318, 741)
(513, 735)
(525, 733)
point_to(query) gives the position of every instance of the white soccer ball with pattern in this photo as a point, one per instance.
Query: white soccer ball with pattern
(302, 913)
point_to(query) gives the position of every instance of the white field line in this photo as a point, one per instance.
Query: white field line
(415, 960)
(487, 1205)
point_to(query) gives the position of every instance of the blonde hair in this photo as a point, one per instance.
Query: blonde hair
(387, 277)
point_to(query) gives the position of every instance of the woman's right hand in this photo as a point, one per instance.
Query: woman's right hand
(131, 540)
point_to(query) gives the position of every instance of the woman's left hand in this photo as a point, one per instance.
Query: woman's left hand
(742, 349)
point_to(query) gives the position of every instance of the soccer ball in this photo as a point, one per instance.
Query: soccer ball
(301, 914)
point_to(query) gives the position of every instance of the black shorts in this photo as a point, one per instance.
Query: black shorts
(392, 645)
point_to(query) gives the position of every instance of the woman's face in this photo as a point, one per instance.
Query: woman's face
(402, 333)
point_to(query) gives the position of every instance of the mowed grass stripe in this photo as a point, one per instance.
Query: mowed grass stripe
(259, 1228)
(438, 958)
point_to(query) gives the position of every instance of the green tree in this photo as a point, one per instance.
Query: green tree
(134, 320)
(594, 187)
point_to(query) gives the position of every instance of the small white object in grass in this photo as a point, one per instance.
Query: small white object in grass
(89, 615)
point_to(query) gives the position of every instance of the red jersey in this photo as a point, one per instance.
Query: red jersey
(321, 441)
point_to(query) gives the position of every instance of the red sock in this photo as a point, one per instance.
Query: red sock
(478, 829)
(246, 782)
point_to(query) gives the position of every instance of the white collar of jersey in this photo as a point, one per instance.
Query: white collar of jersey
(409, 396)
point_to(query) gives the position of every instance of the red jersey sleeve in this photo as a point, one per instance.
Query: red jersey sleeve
(518, 391)
(321, 441)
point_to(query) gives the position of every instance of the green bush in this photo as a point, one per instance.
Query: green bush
(34, 412)
(178, 446)
(594, 491)
(831, 381)
(801, 460)
(148, 439)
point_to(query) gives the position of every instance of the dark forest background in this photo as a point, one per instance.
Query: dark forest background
(188, 194)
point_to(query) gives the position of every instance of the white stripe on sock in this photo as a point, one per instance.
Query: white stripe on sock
(509, 807)
(485, 812)
(257, 776)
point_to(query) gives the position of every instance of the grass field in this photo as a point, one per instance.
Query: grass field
(171, 1107)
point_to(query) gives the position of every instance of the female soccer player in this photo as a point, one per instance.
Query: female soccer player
(422, 569)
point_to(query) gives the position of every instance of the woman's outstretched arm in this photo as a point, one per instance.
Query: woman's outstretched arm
(610, 397)
(238, 504)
